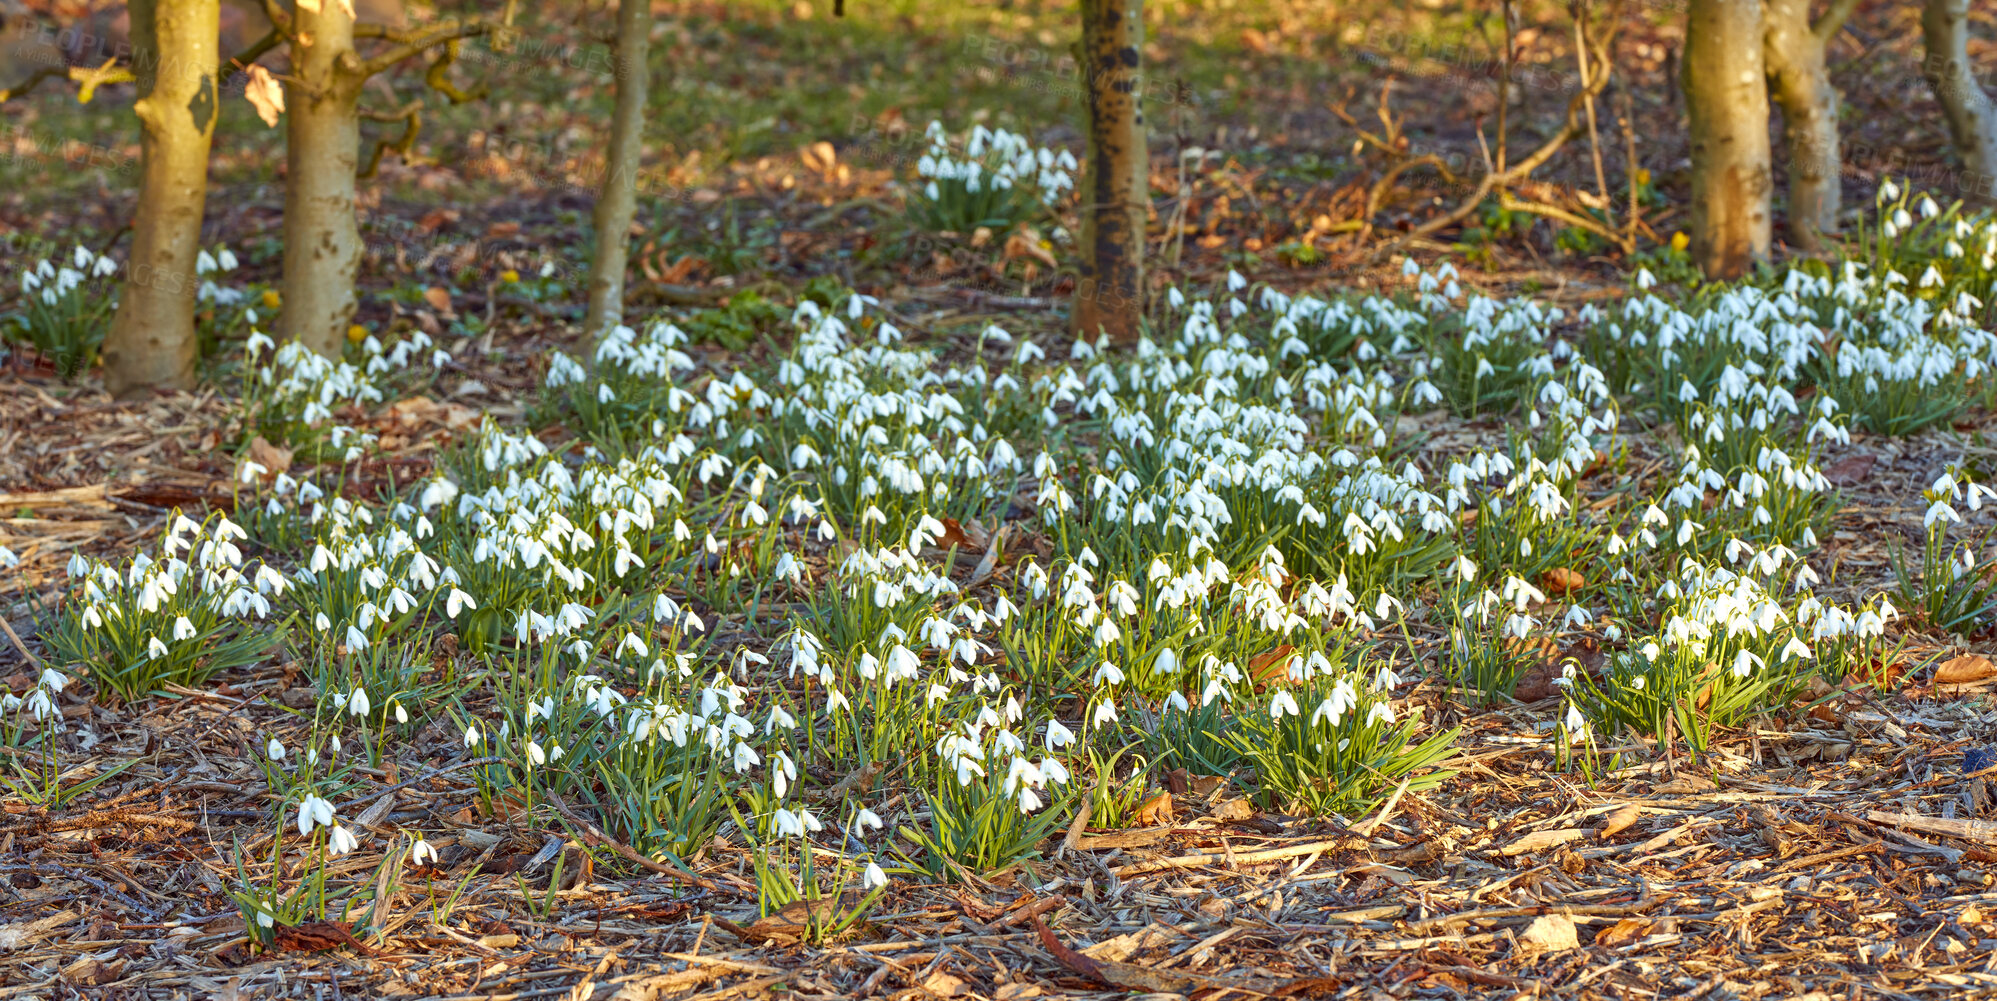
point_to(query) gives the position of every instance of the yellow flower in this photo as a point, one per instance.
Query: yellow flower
(1643, 175)
(1679, 241)
(271, 299)
(356, 334)
(509, 276)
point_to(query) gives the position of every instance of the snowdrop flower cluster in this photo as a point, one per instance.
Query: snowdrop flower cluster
(299, 384)
(50, 283)
(995, 159)
(163, 616)
(211, 267)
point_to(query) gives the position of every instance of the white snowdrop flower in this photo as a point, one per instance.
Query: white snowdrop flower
(313, 812)
(1464, 569)
(873, 878)
(342, 841)
(1105, 713)
(787, 824)
(1058, 736)
(155, 648)
(1284, 704)
(867, 820)
(358, 704)
(422, 852)
(274, 749)
(1575, 724)
(471, 736)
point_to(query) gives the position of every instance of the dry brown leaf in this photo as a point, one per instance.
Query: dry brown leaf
(1623, 932)
(264, 94)
(1025, 243)
(1542, 840)
(1618, 822)
(1537, 683)
(1233, 809)
(1272, 665)
(1965, 669)
(317, 936)
(1563, 580)
(970, 537)
(273, 458)
(1550, 933)
(1849, 471)
(436, 219)
(793, 920)
(943, 985)
(819, 157)
(438, 298)
(1156, 810)
(981, 236)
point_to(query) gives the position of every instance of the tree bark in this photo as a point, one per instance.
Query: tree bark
(1800, 82)
(152, 341)
(1726, 96)
(1109, 297)
(322, 239)
(617, 201)
(1971, 116)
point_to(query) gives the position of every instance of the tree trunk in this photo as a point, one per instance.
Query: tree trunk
(1801, 84)
(322, 239)
(1109, 297)
(1726, 97)
(152, 342)
(617, 202)
(1972, 118)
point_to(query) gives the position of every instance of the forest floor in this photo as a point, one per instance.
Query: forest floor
(1825, 855)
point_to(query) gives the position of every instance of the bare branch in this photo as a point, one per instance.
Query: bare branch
(415, 43)
(411, 115)
(34, 80)
(242, 60)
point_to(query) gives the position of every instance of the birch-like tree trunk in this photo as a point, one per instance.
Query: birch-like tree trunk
(1726, 96)
(1971, 116)
(152, 341)
(1109, 297)
(1800, 83)
(322, 238)
(617, 201)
